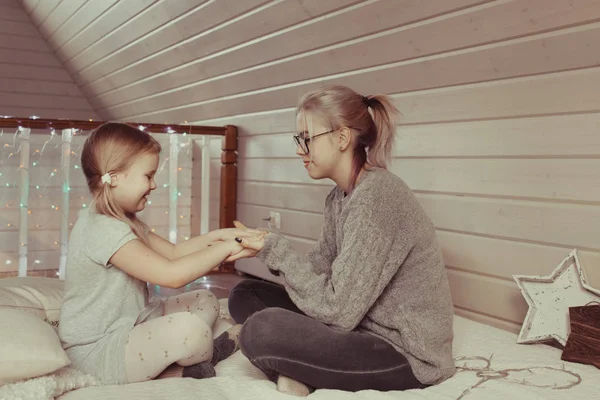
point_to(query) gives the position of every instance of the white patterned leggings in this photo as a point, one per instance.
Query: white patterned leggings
(182, 335)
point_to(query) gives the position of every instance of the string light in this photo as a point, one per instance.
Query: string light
(45, 189)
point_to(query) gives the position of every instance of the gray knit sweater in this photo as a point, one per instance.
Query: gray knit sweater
(377, 267)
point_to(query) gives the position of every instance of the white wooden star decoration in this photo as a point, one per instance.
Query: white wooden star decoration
(549, 299)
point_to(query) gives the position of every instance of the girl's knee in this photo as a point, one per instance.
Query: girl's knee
(188, 325)
(202, 294)
(194, 334)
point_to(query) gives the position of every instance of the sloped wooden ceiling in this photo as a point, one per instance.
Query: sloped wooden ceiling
(32, 79)
(176, 60)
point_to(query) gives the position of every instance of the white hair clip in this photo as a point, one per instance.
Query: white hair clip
(106, 178)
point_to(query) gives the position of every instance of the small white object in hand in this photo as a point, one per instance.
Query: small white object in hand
(106, 178)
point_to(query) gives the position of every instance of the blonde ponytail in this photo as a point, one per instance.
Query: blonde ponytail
(383, 113)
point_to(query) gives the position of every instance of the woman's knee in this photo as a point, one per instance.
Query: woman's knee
(264, 331)
(241, 289)
(239, 298)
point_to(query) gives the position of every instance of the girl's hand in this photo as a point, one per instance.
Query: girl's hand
(245, 253)
(235, 249)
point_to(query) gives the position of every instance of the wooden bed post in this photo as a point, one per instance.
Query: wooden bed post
(227, 212)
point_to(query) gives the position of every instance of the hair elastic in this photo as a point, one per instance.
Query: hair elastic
(365, 100)
(106, 178)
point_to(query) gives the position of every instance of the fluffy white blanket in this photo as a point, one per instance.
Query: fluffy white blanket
(47, 387)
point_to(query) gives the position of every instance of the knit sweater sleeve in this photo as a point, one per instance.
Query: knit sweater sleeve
(376, 242)
(321, 255)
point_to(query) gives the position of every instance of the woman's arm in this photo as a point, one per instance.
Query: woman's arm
(145, 264)
(319, 257)
(373, 250)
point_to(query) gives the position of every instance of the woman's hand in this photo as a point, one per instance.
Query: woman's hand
(250, 247)
(241, 226)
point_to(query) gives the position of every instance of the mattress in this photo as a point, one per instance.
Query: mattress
(491, 365)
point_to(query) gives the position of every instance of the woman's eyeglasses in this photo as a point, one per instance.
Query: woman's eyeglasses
(303, 141)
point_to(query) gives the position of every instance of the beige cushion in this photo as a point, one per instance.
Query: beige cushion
(39, 296)
(29, 347)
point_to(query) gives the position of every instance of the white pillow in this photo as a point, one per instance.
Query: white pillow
(29, 347)
(39, 296)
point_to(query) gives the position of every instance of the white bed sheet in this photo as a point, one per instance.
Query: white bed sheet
(491, 366)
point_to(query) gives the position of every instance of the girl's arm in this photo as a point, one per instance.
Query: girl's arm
(172, 251)
(145, 264)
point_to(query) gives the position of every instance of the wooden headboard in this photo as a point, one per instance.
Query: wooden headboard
(30, 126)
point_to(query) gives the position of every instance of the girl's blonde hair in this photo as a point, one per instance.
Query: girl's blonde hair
(112, 148)
(340, 106)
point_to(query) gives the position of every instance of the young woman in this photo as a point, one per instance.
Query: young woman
(369, 306)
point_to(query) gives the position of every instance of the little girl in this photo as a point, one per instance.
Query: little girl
(107, 327)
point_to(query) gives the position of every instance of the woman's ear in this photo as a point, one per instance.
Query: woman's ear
(344, 139)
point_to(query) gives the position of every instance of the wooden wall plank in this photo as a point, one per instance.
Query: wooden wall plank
(552, 179)
(29, 5)
(167, 48)
(549, 179)
(25, 57)
(505, 258)
(83, 18)
(548, 53)
(284, 195)
(32, 72)
(545, 94)
(481, 294)
(45, 101)
(31, 44)
(264, 123)
(59, 16)
(110, 20)
(213, 37)
(40, 87)
(488, 320)
(43, 10)
(32, 80)
(150, 19)
(57, 112)
(569, 225)
(18, 28)
(548, 136)
(8, 13)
